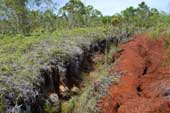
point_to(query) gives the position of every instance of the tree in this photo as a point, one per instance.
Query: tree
(49, 20)
(137, 19)
(72, 12)
(92, 15)
(17, 14)
(78, 15)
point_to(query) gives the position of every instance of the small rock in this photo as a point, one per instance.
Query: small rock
(63, 89)
(65, 92)
(54, 103)
(75, 90)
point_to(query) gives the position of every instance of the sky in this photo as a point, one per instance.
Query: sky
(110, 7)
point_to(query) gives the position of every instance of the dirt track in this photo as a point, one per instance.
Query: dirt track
(144, 86)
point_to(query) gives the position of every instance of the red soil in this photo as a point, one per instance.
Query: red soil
(145, 84)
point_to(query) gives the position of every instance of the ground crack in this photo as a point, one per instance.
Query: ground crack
(145, 70)
(139, 90)
(117, 107)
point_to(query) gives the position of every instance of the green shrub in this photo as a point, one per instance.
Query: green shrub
(1, 104)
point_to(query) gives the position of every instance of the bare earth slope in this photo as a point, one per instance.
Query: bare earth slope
(144, 86)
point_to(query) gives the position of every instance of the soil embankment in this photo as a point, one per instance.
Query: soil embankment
(144, 85)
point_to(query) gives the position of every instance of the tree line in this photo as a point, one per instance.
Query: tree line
(17, 18)
(140, 19)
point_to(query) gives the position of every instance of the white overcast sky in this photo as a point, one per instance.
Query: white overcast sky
(110, 7)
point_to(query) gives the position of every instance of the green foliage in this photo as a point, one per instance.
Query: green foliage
(166, 35)
(116, 20)
(107, 20)
(77, 14)
(18, 18)
(68, 106)
(155, 34)
(48, 108)
(140, 19)
(1, 104)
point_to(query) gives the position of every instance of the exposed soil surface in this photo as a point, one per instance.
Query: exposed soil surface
(144, 86)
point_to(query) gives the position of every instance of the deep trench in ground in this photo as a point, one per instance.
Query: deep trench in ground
(79, 76)
(81, 102)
